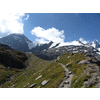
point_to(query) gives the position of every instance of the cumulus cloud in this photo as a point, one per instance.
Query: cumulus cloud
(11, 23)
(51, 34)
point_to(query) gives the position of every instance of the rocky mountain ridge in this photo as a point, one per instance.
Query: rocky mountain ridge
(51, 50)
(69, 66)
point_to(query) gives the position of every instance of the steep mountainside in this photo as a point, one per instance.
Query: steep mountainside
(51, 50)
(11, 58)
(82, 71)
(38, 73)
(85, 68)
(62, 65)
(16, 41)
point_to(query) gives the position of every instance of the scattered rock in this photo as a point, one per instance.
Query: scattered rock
(44, 82)
(38, 77)
(34, 73)
(69, 72)
(69, 63)
(12, 86)
(68, 56)
(66, 77)
(49, 70)
(31, 86)
(26, 85)
(66, 82)
(81, 62)
(75, 51)
(85, 83)
(38, 86)
(62, 85)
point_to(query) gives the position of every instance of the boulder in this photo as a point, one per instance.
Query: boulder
(31, 86)
(66, 82)
(62, 85)
(81, 62)
(38, 77)
(69, 72)
(66, 77)
(44, 82)
(12, 86)
(84, 61)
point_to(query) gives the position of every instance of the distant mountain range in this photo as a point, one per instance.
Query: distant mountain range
(49, 50)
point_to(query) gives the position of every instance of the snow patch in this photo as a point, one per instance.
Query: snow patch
(98, 53)
(33, 44)
(75, 43)
(93, 44)
(54, 44)
(30, 44)
(99, 49)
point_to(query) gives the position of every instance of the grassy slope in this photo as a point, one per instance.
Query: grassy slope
(48, 69)
(75, 68)
(10, 60)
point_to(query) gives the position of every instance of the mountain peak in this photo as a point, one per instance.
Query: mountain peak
(95, 41)
(51, 42)
(95, 44)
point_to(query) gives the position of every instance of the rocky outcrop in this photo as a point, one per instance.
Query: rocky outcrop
(12, 58)
(53, 53)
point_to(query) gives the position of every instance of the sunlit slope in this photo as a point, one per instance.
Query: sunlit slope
(37, 71)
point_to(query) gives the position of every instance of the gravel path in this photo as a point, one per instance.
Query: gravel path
(66, 83)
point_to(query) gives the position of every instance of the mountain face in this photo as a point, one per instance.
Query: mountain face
(95, 44)
(51, 50)
(21, 43)
(12, 58)
(18, 42)
(79, 47)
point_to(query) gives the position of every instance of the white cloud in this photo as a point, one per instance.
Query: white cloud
(83, 41)
(51, 34)
(42, 40)
(11, 23)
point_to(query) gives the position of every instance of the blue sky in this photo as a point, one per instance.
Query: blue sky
(58, 27)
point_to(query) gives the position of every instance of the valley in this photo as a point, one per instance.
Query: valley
(49, 65)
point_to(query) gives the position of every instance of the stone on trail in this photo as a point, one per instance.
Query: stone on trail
(66, 82)
(62, 85)
(69, 72)
(66, 77)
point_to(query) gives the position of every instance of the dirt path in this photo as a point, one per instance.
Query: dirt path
(66, 83)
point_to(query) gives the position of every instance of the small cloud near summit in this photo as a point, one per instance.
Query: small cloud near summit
(26, 17)
(83, 41)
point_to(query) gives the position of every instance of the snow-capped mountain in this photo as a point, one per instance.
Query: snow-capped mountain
(19, 42)
(33, 44)
(49, 50)
(95, 44)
